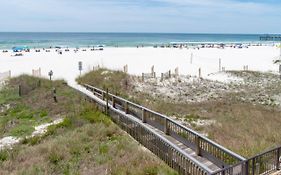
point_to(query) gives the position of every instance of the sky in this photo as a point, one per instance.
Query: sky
(160, 16)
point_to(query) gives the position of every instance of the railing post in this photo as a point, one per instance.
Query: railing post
(103, 95)
(126, 108)
(278, 159)
(143, 116)
(197, 142)
(245, 168)
(257, 168)
(166, 127)
(253, 166)
(113, 101)
(223, 172)
(106, 110)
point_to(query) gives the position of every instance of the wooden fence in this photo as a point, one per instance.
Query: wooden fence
(169, 74)
(36, 72)
(204, 147)
(5, 75)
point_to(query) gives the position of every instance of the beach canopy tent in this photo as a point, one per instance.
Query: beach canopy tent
(20, 48)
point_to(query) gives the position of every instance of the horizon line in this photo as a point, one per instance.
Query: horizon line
(203, 33)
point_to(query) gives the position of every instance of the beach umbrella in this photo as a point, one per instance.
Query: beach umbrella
(19, 48)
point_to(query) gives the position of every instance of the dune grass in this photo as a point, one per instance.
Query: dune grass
(86, 142)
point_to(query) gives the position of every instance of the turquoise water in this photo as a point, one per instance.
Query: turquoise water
(40, 40)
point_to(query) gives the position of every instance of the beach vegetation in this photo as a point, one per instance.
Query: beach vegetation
(85, 142)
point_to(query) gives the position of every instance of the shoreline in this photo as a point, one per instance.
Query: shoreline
(156, 44)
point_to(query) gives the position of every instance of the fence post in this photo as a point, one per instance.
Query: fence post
(126, 108)
(166, 127)
(169, 73)
(125, 68)
(219, 65)
(162, 76)
(142, 76)
(197, 142)
(55, 95)
(143, 116)
(200, 73)
(20, 92)
(278, 158)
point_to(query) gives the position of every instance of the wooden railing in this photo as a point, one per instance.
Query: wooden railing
(265, 163)
(203, 146)
(155, 142)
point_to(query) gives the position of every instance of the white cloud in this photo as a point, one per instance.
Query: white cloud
(227, 16)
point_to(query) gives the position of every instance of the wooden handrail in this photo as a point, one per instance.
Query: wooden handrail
(246, 163)
(201, 169)
(201, 137)
(241, 161)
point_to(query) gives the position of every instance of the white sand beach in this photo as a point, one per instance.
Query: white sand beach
(139, 60)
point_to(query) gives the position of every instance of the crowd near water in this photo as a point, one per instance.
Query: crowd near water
(79, 40)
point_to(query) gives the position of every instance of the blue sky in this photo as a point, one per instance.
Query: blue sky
(171, 16)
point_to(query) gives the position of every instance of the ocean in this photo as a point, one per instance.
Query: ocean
(43, 40)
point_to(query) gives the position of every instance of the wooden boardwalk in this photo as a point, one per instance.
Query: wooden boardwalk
(181, 148)
(212, 167)
(276, 173)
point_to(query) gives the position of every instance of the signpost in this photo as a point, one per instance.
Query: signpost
(50, 74)
(80, 67)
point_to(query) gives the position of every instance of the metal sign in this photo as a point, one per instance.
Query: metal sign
(80, 66)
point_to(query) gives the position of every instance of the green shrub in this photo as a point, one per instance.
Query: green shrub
(151, 171)
(51, 130)
(97, 117)
(43, 114)
(32, 140)
(22, 130)
(103, 149)
(4, 155)
(55, 156)
(67, 122)
(8, 94)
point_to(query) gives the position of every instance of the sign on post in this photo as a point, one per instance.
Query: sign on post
(80, 66)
